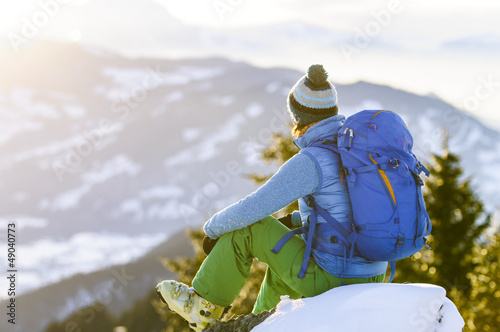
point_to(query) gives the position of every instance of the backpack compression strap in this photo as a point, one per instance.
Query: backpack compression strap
(309, 238)
(310, 234)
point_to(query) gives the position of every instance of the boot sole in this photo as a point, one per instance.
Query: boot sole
(157, 288)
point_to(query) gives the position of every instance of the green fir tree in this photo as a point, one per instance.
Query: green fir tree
(459, 220)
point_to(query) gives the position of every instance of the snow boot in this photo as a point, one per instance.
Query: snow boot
(184, 301)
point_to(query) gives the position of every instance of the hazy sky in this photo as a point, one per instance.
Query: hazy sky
(446, 47)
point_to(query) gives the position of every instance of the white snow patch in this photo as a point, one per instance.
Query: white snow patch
(22, 100)
(222, 100)
(229, 132)
(23, 222)
(201, 73)
(254, 110)
(474, 135)
(209, 147)
(46, 261)
(183, 157)
(140, 208)
(190, 134)
(429, 142)
(367, 104)
(98, 52)
(62, 96)
(13, 122)
(252, 152)
(368, 307)
(168, 210)
(130, 206)
(120, 164)
(131, 81)
(20, 196)
(285, 91)
(174, 96)
(70, 199)
(75, 111)
(273, 87)
(488, 157)
(162, 192)
(45, 110)
(69, 144)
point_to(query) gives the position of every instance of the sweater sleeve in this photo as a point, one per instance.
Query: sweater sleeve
(297, 178)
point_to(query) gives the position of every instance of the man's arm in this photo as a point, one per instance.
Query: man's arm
(297, 178)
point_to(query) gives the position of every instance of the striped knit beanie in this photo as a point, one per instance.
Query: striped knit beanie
(313, 97)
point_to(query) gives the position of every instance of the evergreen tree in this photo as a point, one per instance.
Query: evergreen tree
(458, 219)
(480, 309)
(93, 318)
(143, 317)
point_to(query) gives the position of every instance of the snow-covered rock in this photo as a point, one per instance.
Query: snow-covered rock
(368, 307)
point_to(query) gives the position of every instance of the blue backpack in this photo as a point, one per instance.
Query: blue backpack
(383, 177)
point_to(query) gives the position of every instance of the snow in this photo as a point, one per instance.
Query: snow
(162, 107)
(120, 164)
(69, 199)
(209, 147)
(174, 96)
(65, 147)
(62, 96)
(23, 222)
(162, 192)
(48, 261)
(130, 206)
(75, 111)
(117, 166)
(131, 81)
(276, 86)
(273, 87)
(254, 110)
(144, 208)
(368, 307)
(222, 100)
(190, 134)
(366, 104)
(13, 122)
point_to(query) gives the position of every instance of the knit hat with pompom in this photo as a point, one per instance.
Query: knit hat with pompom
(313, 97)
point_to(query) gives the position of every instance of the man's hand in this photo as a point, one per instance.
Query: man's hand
(209, 244)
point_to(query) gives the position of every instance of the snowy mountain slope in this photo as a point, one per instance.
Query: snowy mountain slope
(368, 307)
(137, 149)
(118, 287)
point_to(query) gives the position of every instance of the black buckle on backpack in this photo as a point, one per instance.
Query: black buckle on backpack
(418, 179)
(395, 162)
(401, 239)
(309, 201)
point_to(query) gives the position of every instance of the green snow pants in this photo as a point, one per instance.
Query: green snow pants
(225, 271)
